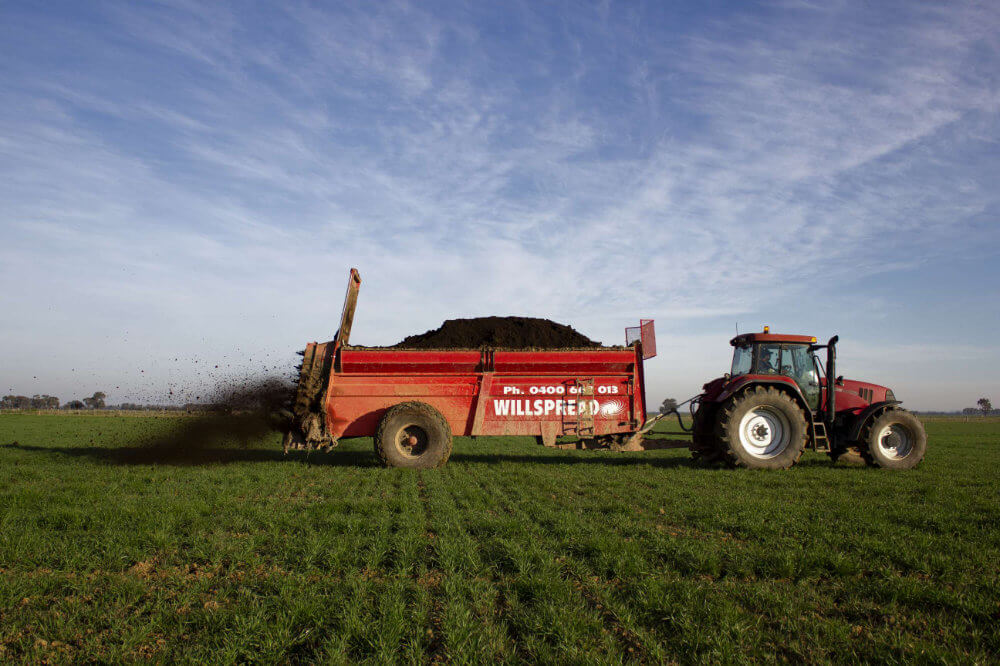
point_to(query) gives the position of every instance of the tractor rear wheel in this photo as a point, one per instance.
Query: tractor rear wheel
(413, 434)
(895, 440)
(705, 445)
(762, 428)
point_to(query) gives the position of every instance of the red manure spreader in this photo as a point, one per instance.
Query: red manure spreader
(413, 401)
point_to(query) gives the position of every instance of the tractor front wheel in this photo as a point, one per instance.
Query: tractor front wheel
(762, 428)
(895, 440)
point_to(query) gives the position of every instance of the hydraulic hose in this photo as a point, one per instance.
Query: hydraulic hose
(694, 401)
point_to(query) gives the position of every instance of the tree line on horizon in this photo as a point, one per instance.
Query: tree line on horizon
(36, 401)
(96, 401)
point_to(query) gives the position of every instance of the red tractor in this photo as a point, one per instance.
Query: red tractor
(778, 401)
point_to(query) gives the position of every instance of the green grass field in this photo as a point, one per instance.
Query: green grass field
(512, 552)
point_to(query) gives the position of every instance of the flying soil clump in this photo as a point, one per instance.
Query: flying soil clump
(239, 413)
(499, 332)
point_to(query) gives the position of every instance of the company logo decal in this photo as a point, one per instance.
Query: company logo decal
(613, 407)
(547, 406)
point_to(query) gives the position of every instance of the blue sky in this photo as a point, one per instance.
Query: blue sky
(184, 185)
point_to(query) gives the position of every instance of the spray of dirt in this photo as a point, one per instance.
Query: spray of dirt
(239, 414)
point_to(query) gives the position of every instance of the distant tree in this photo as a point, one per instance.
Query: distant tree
(970, 411)
(95, 401)
(74, 404)
(669, 405)
(44, 402)
(16, 402)
(985, 405)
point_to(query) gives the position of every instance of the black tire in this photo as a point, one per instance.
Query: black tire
(413, 434)
(765, 415)
(895, 440)
(705, 445)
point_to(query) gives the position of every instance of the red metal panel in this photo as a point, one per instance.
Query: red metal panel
(520, 404)
(647, 333)
(408, 362)
(355, 404)
(485, 389)
(526, 389)
(574, 362)
(639, 403)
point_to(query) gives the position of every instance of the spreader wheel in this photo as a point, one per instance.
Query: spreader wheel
(895, 440)
(413, 434)
(762, 428)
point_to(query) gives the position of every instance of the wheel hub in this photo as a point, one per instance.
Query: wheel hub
(894, 441)
(412, 441)
(764, 432)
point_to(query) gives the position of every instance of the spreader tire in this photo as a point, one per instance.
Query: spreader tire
(413, 434)
(895, 440)
(762, 428)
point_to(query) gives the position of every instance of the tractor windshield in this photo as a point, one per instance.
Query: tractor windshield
(742, 359)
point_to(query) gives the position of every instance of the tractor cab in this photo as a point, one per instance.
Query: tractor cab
(769, 354)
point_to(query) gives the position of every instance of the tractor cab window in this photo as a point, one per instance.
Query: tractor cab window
(797, 363)
(741, 360)
(806, 375)
(768, 360)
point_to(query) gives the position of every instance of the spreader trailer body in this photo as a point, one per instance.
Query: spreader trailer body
(413, 401)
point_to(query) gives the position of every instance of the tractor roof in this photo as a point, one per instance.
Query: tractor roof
(777, 338)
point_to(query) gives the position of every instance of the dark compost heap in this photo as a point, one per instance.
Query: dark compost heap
(500, 332)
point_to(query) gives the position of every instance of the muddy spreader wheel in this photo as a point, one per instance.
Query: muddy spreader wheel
(895, 440)
(762, 428)
(413, 434)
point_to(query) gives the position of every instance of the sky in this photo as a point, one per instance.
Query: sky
(185, 185)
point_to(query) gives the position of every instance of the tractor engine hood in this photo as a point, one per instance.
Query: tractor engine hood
(853, 394)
